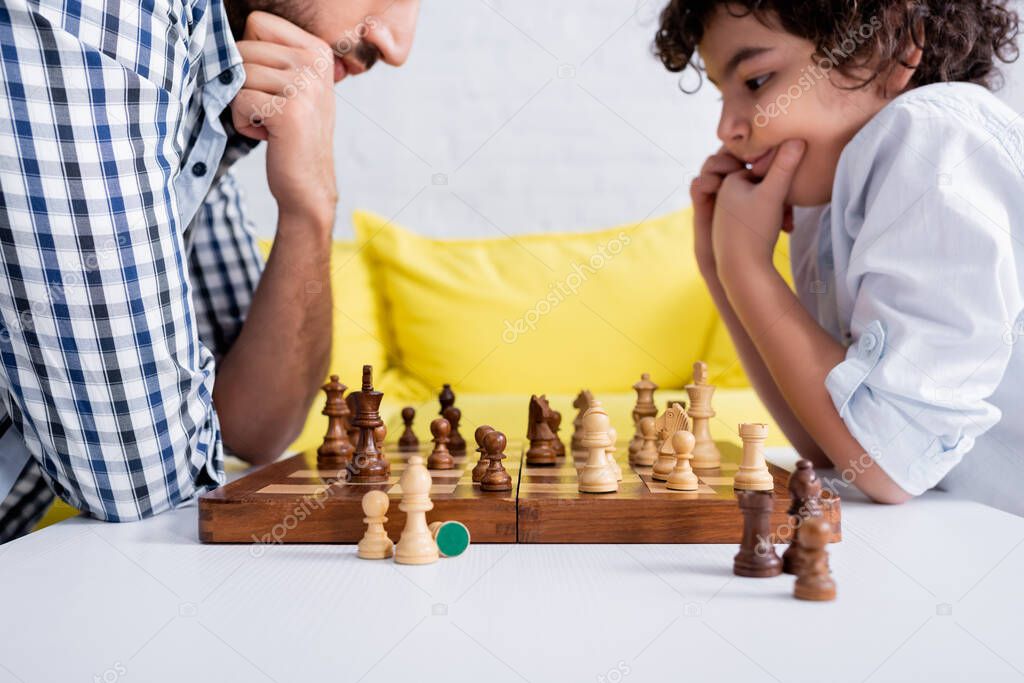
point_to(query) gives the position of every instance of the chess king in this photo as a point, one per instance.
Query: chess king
(240, 377)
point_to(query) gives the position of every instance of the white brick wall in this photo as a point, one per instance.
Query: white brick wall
(541, 115)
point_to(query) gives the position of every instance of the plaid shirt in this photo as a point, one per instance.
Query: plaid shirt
(127, 261)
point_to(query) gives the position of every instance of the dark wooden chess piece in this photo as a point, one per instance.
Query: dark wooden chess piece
(495, 478)
(456, 444)
(336, 450)
(440, 458)
(581, 404)
(539, 433)
(814, 581)
(757, 556)
(805, 494)
(408, 442)
(368, 465)
(482, 464)
(446, 398)
(555, 422)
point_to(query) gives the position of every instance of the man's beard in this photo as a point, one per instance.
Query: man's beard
(300, 13)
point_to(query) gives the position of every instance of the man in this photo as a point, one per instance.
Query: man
(135, 345)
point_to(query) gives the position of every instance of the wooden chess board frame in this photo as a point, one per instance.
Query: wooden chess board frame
(291, 501)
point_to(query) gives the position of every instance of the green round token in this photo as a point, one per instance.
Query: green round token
(452, 539)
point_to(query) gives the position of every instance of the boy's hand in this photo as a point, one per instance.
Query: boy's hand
(703, 191)
(288, 100)
(748, 215)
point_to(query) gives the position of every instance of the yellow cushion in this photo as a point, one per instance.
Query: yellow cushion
(543, 312)
(357, 330)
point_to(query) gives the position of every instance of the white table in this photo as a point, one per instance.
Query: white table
(928, 591)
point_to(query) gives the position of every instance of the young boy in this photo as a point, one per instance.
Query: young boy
(867, 130)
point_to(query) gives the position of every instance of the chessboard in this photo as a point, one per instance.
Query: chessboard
(317, 497)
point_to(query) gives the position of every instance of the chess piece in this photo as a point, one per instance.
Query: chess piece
(452, 537)
(539, 433)
(456, 444)
(482, 463)
(336, 449)
(648, 453)
(753, 474)
(375, 544)
(609, 453)
(581, 404)
(416, 544)
(805, 502)
(495, 478)
(555, 423)
(596, 476)
(705, 454)
(666, 461)
(367, 466)
(446, 398)
(440, 458)
(408, 442)
(668, 423)
(645, 407)
(757, 556)
(814, 582)
(682, 477)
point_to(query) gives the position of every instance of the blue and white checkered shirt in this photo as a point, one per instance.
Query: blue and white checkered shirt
(128, 265)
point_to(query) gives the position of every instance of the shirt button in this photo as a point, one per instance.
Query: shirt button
(868, 342)
(226, 77)
(199, 169)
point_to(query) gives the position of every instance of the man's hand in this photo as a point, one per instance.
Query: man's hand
(703, 191)
(288, 100)
(749, 215)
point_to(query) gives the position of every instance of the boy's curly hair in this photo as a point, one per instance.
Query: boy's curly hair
(960, 41)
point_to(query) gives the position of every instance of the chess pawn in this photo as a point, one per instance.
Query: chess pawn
(416, 544)
(482, 463)
(446, 398)
(753, 474)
(814, 582)
(440, 458)
(495, 478)
(555, 422)
(609, 452)
(336, 449)
(705, 453)
(408, 442)
(805, 496)
(648, 453)
(645, 407)
(666, 462)
(682, 477)
(456, 444)
(596, 476)
(757, 556)
(375, 544)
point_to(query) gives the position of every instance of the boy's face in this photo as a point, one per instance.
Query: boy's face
(774, 90)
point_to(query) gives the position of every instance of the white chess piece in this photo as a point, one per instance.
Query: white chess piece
(648, 453)
(609, 452)
(705, 453)
(753, 474)
(596, 477)
(416, 544)
(375, 544)
(666, 459)
(682, 477)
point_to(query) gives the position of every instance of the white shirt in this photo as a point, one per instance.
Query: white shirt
(917, 266)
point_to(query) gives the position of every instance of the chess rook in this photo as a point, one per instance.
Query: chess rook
(757, 557)
(753, 474)
(368, 465)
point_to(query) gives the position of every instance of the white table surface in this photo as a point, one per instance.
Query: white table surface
(928, 591)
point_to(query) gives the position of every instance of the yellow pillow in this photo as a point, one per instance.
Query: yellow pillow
(357, 335)
(544, 312)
